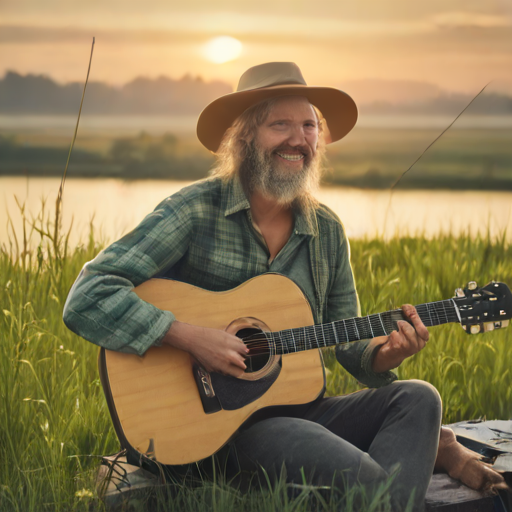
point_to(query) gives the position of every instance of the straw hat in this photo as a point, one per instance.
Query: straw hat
(267, 81)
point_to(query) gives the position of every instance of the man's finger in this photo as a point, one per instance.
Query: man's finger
(411, 313)
(409, 341)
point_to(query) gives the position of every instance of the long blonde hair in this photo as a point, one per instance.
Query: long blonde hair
(235, 147)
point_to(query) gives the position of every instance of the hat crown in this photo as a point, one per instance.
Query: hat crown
(271, 74)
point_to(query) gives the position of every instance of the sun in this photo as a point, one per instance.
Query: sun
(222, 49)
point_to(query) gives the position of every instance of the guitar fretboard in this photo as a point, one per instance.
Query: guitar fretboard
(359, 328)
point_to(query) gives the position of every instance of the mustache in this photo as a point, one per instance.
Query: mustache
(304, 149)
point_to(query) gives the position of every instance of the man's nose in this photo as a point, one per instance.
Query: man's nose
(297, 136)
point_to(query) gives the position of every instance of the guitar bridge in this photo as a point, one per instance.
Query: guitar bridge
(206, 381)
(204, 385)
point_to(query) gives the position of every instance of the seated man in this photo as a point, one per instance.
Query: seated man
(257, 214)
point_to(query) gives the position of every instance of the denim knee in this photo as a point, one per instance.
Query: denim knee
(421, 395)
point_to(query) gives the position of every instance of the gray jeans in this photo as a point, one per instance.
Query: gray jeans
(361, 438)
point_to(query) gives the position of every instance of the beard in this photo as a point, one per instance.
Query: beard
(260, 171)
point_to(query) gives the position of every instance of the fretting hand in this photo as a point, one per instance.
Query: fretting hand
(407, 341)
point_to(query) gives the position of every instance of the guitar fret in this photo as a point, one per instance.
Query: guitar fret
(436, 305)
(284, 342)
(316, 337)
(444, 309)
(370, 322)
(276, 343)
(435, 320)
(293, 339)
(357, 330)
(381, 323)
(436, 309)
(374, 328)
(429, 315)
(346, 332)
(335, 334)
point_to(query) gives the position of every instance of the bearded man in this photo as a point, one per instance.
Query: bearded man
(256, 214)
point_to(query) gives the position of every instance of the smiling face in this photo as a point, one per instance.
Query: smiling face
(290, 133)
(283, 161)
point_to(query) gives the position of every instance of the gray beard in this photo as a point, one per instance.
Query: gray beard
(261, 173)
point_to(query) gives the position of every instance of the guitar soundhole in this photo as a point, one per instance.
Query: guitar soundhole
(259, 349)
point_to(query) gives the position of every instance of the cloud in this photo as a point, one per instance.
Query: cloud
(257, 29)
(463, 19)
(34, 34)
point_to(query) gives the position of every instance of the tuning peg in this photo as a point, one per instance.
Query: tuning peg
(475, 329)
(472, 285)
(490, 326)
(459, 292)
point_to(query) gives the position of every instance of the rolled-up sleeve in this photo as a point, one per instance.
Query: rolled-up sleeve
(101, 305)
(343, 302)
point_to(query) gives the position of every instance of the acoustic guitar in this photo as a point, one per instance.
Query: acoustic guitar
(166, 407)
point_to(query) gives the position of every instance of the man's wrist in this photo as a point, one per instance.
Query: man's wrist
(380, 362)
(179, 335)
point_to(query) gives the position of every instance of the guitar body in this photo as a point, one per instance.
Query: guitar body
(155, 400)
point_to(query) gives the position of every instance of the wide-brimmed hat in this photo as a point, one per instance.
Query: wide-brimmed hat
(267, 81)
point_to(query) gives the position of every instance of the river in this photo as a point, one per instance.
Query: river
(116, 206)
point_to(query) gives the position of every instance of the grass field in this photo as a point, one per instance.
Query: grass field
(54, 422)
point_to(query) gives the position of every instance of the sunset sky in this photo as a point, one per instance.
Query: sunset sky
(455, 44)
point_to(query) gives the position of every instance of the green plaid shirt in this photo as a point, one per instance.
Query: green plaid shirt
(203, 235)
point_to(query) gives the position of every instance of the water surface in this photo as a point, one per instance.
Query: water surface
(116, 206)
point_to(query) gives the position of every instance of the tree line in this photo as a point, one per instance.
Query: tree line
(39, 94)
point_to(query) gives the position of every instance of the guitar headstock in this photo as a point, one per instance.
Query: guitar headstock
(483, 309)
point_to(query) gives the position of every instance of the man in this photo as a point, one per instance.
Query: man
(258, 214)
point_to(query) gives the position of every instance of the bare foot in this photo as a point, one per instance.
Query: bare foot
(465, 465)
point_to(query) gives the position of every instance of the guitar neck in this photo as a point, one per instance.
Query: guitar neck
(359, 328)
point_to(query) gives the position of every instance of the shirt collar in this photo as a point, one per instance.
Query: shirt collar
(302, 227)
(236, 198)
(237, 201)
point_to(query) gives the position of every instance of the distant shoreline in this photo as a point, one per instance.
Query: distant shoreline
(473, 155)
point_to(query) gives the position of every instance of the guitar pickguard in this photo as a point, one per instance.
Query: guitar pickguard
(235, 393)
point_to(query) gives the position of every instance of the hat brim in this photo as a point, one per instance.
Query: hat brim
(338, 109)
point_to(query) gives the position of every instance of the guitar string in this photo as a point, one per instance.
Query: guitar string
(279, 347)
(283, 344)
(378, 318)
(310, 331)
(284, 341)
(287, 335)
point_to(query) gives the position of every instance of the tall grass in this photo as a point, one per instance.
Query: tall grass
(54, 423)
(471, 372)
(52, 414)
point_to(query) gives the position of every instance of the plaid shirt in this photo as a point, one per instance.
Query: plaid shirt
(203, 235)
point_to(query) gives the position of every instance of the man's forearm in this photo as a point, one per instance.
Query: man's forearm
(103, 309)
